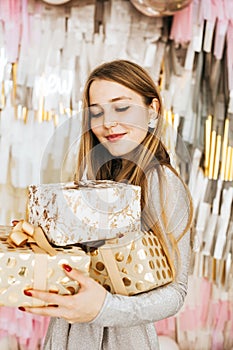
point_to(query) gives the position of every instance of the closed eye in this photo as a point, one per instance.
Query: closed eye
(96, 115)
(96, 111)
(122, 109)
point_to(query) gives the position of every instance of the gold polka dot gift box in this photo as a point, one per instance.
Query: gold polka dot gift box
(28, 261)
(132, 264)
(71, 213)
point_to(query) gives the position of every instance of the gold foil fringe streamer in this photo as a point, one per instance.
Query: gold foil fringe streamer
(218, 154)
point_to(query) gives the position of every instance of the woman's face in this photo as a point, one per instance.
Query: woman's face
(119, 117)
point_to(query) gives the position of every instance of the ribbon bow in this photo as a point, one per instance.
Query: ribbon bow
(24, 232)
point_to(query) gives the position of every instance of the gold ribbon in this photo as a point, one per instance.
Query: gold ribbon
(24, 232)
(113, 271)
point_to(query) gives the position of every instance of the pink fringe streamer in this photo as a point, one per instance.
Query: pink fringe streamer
(29, 330)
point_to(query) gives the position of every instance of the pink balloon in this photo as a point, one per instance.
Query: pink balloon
(158, 8)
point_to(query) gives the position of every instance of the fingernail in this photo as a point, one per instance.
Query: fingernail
(26, 292)
(21, 308)
(68, 268)
(14, 222)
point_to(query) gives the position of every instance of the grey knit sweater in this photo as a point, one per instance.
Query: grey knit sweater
(128, 322)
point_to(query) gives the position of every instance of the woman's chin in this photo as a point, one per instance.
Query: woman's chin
(120, 154)
(120, 151)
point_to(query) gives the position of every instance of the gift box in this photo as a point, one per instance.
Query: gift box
(132, 264)
(22, 268)
(89, 211)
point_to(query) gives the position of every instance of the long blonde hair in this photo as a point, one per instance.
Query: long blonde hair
(95, 160)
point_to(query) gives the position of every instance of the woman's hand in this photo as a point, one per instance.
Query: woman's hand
(81, 307)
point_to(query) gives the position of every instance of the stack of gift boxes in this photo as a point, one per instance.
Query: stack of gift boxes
(68, 215)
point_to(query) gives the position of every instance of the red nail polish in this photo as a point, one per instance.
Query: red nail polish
(21, 308)
(68, 268)
(14, 222)
(26, 292)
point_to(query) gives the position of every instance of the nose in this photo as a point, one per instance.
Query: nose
(110, 122)
(110, 125)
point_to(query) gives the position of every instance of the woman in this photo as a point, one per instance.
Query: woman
(120, 141)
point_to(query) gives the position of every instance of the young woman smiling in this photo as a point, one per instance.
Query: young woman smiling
(122, 119)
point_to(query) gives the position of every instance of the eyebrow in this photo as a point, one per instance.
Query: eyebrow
(114, 100)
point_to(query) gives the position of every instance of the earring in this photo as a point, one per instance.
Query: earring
(153, 118)
(152, 123)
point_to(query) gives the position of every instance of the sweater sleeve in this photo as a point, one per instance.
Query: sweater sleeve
(162, 302)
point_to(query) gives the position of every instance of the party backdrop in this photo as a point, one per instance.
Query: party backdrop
(47, 49)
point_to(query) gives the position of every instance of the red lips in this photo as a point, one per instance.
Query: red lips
(115, 137)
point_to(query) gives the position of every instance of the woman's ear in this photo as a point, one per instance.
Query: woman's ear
(153, 113)
(155, 105)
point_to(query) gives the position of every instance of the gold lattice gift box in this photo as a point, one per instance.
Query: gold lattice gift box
(89, 211)
(21, 268)
(132, 264)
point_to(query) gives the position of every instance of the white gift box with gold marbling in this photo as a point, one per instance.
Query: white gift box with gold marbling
(92, 210)
(21, 269)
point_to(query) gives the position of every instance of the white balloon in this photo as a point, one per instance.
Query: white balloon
(56, 2)
(167, 343)
(157, 8)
